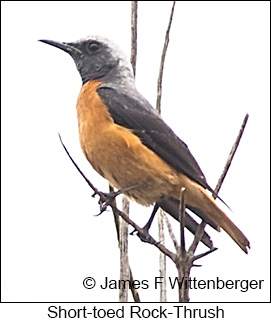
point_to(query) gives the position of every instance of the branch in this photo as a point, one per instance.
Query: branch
(182, 263)
(172, 236)
(162, 257)
(134, 290)
(125, 269)
(161, 214)
(161, 70)
(181, 219)
(201, 227)
(197, 237)
(124, 261)
(134, 35)
(79, 170)
(231, 155)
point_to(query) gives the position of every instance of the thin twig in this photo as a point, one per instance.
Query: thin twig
(182, 263)
(119, 227)
(124, 261)
(79, 170)
(171, 234)
(181, 219)
(201, 227)
(162, 257)
(163, 57)
(231, 155)
(125, 269)
(161, 214)
(197, 238)
(134, 290)
(116, 216)
(134, 35)
(203, 254)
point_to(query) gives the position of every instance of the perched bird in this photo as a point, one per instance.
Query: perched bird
(128, 143)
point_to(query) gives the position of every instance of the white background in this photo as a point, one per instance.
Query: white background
(217, 70)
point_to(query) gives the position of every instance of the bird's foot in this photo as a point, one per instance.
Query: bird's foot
(143, 234)
(107, 199)
(145, 229)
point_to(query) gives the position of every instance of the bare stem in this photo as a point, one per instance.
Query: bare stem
(181, 219)
(125, 269)
(134, 35)
(171, 233)
(124, 261)
(231, 155)
(162, 257)
(182, 262)
(162, 63)
(161, 214)
(201, 227)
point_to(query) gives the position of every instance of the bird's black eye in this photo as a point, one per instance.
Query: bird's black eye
(93, 47)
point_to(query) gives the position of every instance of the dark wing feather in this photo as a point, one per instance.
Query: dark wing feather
(131, 110)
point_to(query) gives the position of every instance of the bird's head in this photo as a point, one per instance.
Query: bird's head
(97, 58)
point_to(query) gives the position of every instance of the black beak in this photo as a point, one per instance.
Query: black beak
(67, 47)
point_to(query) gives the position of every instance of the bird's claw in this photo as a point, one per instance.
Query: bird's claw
(107, 199)
(143, 234)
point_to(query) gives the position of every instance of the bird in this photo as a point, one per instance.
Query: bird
(128, 143)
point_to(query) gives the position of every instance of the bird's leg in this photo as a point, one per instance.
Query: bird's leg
(144, 233)
(149, 223)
